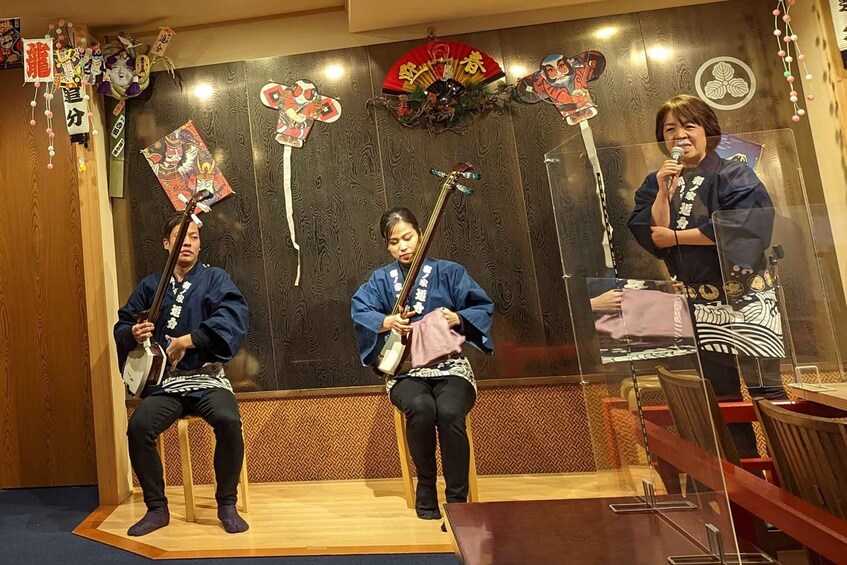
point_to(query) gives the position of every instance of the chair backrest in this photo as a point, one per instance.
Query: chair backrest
(809, 453)
(694, 408)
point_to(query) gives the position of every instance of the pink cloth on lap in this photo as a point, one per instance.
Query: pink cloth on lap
(433, 340)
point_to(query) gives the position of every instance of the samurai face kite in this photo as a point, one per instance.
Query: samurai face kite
(563, 82)
(299, 107)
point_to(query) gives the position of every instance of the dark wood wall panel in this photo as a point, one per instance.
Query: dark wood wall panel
(485, 232)
(46, 422)
(338, 197)
(624, 105)
(230, 235)
(506, 234)
(746, 35)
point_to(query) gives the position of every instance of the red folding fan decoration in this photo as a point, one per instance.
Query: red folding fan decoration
(440, 61)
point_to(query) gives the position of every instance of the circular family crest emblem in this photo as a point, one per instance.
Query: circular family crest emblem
(725, 83)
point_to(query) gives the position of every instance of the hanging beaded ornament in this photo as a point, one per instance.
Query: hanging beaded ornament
(76, 69)
(789, 50)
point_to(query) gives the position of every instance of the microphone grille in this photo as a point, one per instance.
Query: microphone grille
(677, 152)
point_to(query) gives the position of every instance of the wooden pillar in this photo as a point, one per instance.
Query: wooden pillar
(102, 303)
(827, 116)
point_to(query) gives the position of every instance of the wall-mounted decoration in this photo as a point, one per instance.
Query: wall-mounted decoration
(725, 83)
(788, 50)
(126, 75)
(442, 86)
(62, 60)
(299, 107)
(11, 44)
(184, 165)
(563, 82)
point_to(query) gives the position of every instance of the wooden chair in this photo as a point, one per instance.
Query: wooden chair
(810, 455)
(187, 474)
(406, 460)
(687, 404)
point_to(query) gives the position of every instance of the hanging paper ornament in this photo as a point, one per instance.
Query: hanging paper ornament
(299, 107)
(11, 44)
(61, 60)
(38, 70)
(789, 50)
(563, 82)
(838, 11)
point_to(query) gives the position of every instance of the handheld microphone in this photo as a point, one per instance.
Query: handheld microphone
(676, 154)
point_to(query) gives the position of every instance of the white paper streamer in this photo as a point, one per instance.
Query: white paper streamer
(289, 204)
(600, 190)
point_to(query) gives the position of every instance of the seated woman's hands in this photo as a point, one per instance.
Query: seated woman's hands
(398, 322)
(451, 317)
(608, 302)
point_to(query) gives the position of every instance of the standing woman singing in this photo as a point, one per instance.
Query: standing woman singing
(439, 395)
(673, 221)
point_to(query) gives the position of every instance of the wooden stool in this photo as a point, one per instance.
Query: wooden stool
(406, 460)
(188, 476)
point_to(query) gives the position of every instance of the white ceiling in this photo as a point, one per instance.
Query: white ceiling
(363, 15)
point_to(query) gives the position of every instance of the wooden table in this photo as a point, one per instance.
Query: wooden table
(809, 525)
(572, 532)
(836, 397)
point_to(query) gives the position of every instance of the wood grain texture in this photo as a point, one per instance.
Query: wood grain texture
(107, 389)
(337, 192)
(47, 435)
(486, 233)
(507, 234)
(352, 517)
(572, 235)
(230, 236)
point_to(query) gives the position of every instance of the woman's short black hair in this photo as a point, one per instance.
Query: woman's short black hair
(393, 217)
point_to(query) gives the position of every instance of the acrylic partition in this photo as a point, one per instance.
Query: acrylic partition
(652, 425)
(778, 321)
(781, 280)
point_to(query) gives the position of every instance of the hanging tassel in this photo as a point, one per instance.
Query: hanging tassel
(105, 86)
(134, 88)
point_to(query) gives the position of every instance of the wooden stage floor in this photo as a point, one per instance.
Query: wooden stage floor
(322, 518)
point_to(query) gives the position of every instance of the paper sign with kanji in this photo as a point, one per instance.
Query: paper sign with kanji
(38, 60)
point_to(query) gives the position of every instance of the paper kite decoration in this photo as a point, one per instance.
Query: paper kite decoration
(299, 107)
(563, 82)
(183, 165)
(440, 67)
